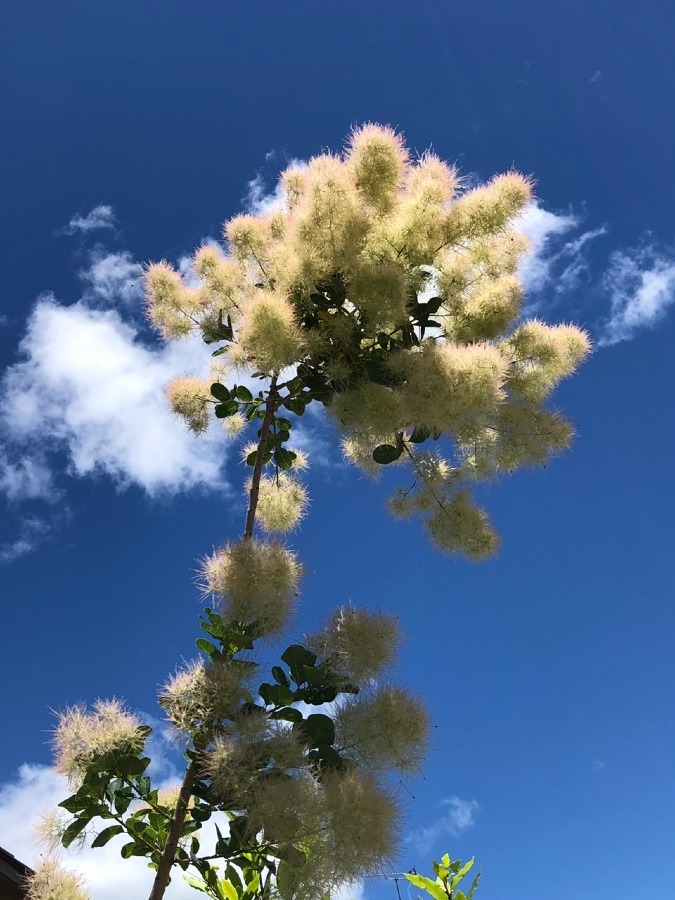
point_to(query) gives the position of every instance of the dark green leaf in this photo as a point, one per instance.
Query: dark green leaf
(284, 458)
(132, 849)
(287, 714)
(295, 405)
(220, 392)
(385, 454)
(419, 435)
(283, 424)
(276, 694)
(296, 657)
(102, 839)
(316, 729)
(243, 393)
(73, 830)
(226, 409)
(200, 814)
(280, 676)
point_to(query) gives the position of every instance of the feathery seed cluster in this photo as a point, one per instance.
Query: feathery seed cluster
(82, 737)
(256, 581)
(393, 293)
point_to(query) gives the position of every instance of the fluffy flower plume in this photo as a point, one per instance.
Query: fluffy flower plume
(257, 582)
(200, 695)
(460, 526)
(365, 823)
(377, 158)
(387, 730)
(190, 399)
(452, 387)
(82, 737)
(268, 332)
(51, 881)
(281, 502)
(392, 293)
(359, 643)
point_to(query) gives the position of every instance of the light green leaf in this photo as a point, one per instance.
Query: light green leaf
(228, 890)
(431, 887)
(196, 883)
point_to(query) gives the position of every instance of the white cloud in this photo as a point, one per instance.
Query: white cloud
(112, 279)
(351, 891)
(87, 386)
(99, 217)
(459, 817)
(38, 790)
(26, 478)
(33, 531)
(257, 201)
(641, 287)
(557, 260)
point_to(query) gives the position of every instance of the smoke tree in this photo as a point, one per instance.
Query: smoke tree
(383, 291)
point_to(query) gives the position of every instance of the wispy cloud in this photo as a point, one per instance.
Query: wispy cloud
(595, 77)
(259, 200)
(558, 258)
(112, 279)
(25, 478)
(459, 816)
(641, 288)
(100, 217)
(32, 531)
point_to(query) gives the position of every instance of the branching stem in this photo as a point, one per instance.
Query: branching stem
(169, 852)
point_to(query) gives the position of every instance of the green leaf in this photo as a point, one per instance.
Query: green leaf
(316, 729)
(243, 393)
(431, 887)
(284, 458)
(295, 405)
(276, 694)
(206, 646)
(296, 658)
(104, 836)
(287, 714)
(419, 435)
(228, 890)
(385, 454)
(226, 409)
(461, 873)
(200, 814)
(132, 849)
(220, 392)
(197, 883)
(283, 424)
(74, 829)
(474, 885)
(280, 676)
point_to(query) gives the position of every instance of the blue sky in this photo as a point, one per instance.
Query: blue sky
(131, 130)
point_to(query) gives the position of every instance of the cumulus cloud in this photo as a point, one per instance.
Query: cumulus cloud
(112, 279)
(86, 385)
(96, 219)
(641, 288)
(36, 791)
(558, 257)
(459, 816)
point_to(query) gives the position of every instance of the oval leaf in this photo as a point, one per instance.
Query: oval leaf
(385, 454)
